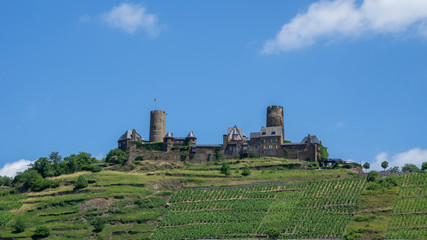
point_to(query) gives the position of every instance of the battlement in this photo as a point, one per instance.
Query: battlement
(274, 107)
(157, 111)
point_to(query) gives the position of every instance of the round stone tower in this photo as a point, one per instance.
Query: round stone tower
(157, 125)
(275, 118)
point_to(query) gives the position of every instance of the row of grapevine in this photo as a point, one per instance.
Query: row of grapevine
(409, 219)
(311, 209)
(323, 210)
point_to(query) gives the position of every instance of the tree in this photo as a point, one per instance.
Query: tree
(394, 169)
(19, 226)
(5, 181)
(384, 165)
(246, 171)
(55, 158)
(424, 166)
(324, 152)
(28, 179)
(81, 183)
(116, 156)
(372, 175)
(409, 167)
(72, 165)
(366, 166)
(43, 166)
(335, 165)
(41, 232)
(225, 169)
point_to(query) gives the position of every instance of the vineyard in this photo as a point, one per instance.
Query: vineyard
(409, 219)
(312, 209)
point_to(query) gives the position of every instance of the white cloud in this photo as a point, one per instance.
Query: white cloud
(11, 169)
(332, 19)
(415, 156)
(130, 18)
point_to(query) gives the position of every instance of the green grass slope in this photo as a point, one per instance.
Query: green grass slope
(131, 205)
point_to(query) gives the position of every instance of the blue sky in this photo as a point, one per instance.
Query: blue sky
(76, 74)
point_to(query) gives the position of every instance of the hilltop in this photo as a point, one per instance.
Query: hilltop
(276, 198)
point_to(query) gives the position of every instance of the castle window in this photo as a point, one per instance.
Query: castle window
(274, 146)
(267, 140)
(273, 133)
(274, 140)
(237, 148)
(263, 133)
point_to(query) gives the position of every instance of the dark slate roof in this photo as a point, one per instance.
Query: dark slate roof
(207, 145)
(191, 135)
(169, 135)
(291, 144)
(270, 130)
(128, 135)
(314, 139)
(255, 135)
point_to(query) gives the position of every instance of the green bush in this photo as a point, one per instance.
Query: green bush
(373, 186)
(157, 146)
(98, 225)
(41, 232)
(372, 175)
(138, 143)
(19, 226)
(139, 158)
(253, 155)
(218, 156)
(81, 183)
(225, 169)
(246, 171)
(324, 152)
(314, 165)
(184, 156)
(335, 165)
(347, 166)
(117, 156)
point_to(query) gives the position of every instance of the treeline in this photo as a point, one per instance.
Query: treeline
(35, 177)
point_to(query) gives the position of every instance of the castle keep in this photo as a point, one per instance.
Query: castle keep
(269, 141)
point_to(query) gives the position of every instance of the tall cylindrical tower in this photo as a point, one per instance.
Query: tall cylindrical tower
(275, 118)
(157, 125)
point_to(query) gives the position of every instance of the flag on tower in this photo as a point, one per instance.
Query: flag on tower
(155, 99)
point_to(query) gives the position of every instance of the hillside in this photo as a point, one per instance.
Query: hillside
(280, 198)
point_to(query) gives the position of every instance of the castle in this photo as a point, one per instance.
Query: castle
(269, 141)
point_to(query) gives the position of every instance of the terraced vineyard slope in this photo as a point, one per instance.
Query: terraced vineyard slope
(409, 218)
(311, 209)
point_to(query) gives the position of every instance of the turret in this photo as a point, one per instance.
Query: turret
(157, 125)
